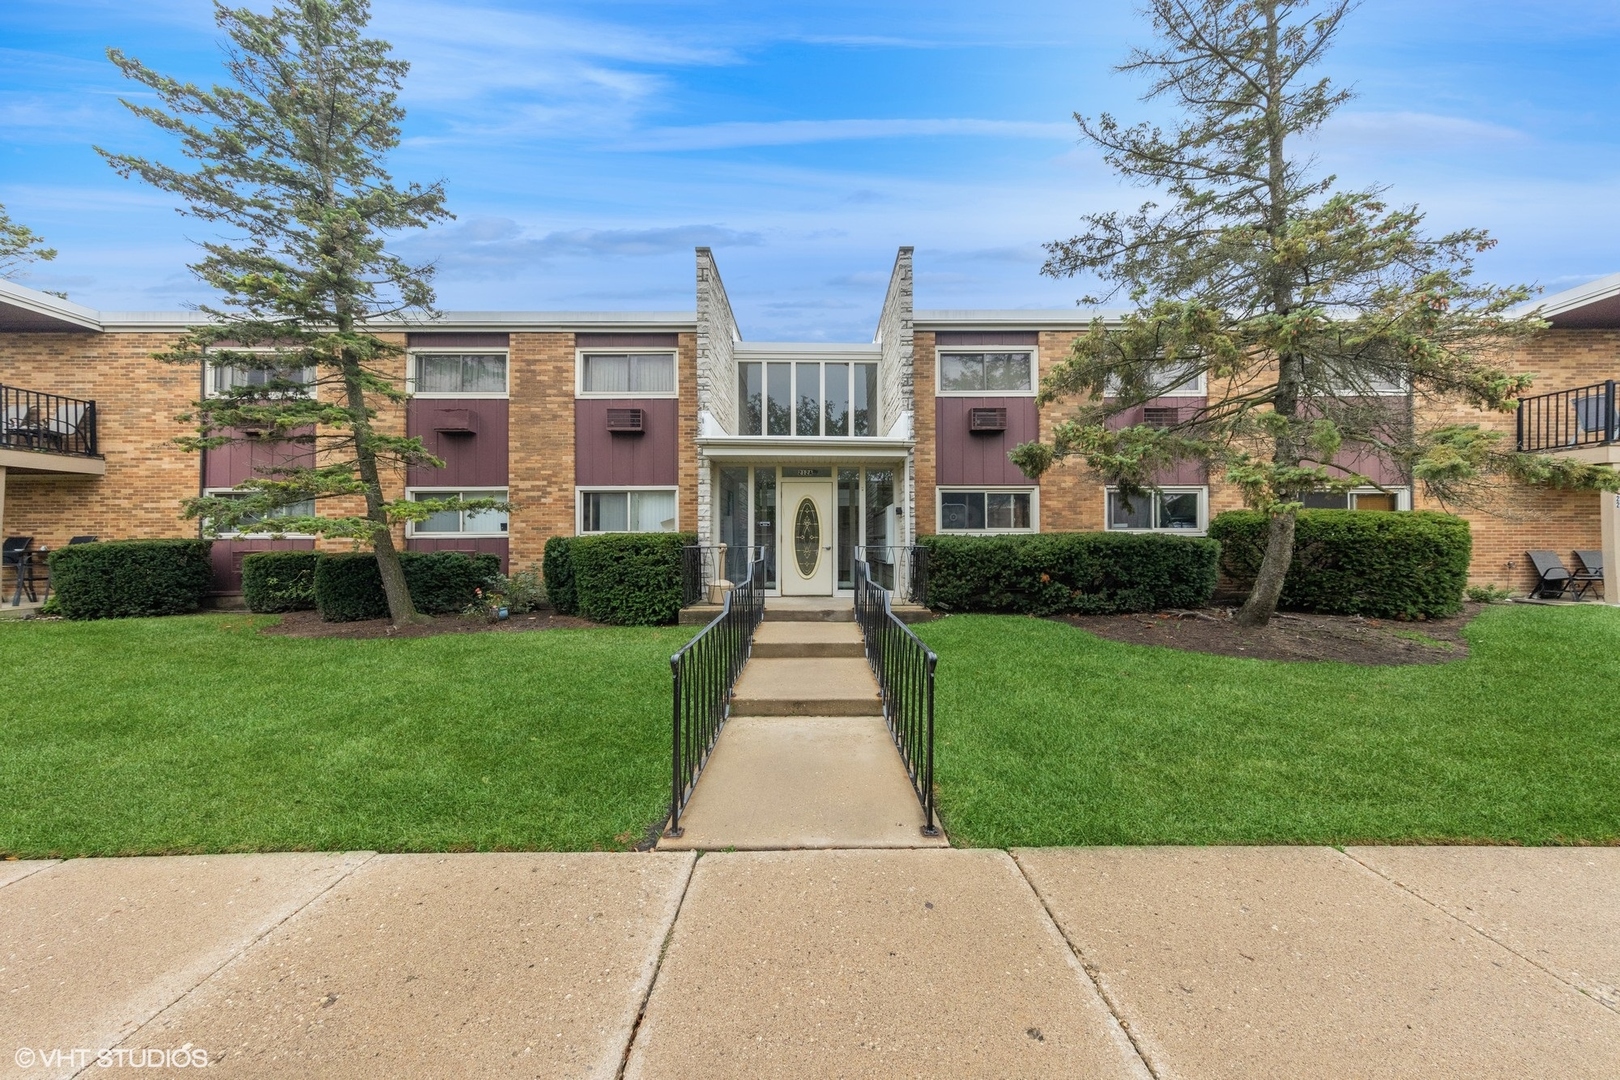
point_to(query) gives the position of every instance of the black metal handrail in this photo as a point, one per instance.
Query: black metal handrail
(904, 667)
(695, 577)
(31, 420)
(705, 671)
(1566, 419)
(901, 570)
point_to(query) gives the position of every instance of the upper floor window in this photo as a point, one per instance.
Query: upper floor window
(226, 377)
(809, 398)
(1168, 509)
(458, 374)
(258, 525)
(1009, 372)
(627, 374)
(1164, 381)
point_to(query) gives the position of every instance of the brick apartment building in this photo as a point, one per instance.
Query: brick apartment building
(609, 421)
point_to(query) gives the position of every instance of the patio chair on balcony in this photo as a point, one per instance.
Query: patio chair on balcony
(1553, 578)
(1588, 571)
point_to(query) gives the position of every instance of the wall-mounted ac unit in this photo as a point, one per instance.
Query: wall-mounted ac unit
(1157, 416)
(627, 421)
(455, 422)
(987, 419)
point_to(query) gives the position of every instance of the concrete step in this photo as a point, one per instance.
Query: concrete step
(806, 687)
(809, 609)
(778, 640)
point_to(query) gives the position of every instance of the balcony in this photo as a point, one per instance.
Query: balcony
(42, 432)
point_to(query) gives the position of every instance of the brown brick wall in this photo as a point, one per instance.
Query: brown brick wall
(542, 454)
(137, 399)
(686, 383)
(925, 458)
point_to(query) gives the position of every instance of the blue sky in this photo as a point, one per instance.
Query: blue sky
(588, 146)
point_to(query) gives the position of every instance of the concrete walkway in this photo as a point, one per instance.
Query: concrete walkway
(806, 761)
(1191, 963)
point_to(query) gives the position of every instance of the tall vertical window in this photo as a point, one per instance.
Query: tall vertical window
(807, 398)
(459, 373)
(765, 520)
(628, 374)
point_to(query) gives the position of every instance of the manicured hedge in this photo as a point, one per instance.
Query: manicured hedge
(631, 579)
(1092, 573)
(123, 578)
(1357, 562)
(348, 585)
(279, 580)
(557, 571)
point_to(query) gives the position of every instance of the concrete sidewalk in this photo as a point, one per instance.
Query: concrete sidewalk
(1106, 962)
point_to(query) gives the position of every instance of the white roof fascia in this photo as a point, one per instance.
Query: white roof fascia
(53, 307)
(1012, 318)
(1581, 295)
(803, 350)
(453, 321)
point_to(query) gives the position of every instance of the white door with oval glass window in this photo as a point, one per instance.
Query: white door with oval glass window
(806, 566)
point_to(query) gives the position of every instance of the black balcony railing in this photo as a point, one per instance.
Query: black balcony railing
(30, 420)
(904, 667)
(1568, 419)
(705, 672)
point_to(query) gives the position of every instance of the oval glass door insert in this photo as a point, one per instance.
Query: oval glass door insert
(807, 537)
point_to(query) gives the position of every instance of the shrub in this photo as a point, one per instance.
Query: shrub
(1091, 573)
(524, 591)
(124, 578)
(1356, 562)
(348, 585)
(631, 579)
(558, 573)
(279, 580)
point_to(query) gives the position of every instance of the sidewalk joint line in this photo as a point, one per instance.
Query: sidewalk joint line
(1486, 934)
(47, 865)
(237, 955)
(658, 967)
(1096, 983)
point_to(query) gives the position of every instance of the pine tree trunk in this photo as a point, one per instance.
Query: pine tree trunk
(1262, 602)
(401, 609)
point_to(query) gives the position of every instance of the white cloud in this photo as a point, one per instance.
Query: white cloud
(1415, 131)
(487, 247)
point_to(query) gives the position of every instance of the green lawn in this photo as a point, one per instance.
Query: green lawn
(198, 734)
(1049, 735)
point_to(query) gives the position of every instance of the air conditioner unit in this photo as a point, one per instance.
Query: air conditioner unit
(455, 422)
(627, 421)
(1155, 416)
(987, 419)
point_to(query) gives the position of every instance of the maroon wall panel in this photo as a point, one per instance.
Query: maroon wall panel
(946, 339)
(476, 460)
(626, 341)
(496, 545)
(227, 466)
(227, 558)
(456, 341)
(1373, 466)
(963, 457)
(648, 459)
(1185, 473)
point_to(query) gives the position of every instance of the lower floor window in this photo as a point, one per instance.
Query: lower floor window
(988, 511)
(1179, 509)
(262, 524)
(1361, 499)
(461, 522)
(627, 511)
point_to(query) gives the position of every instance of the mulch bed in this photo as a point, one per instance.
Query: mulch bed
(1349, 639)
(308, 624)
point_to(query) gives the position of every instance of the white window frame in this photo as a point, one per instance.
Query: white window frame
(502, 494)
(271, 535)
(1034, 373)
(1403, 495)
(1034, 493)
(410, 372)
(210, 367)
(614, 489)
(1202, 491)
(579, 376)
(1198, 389)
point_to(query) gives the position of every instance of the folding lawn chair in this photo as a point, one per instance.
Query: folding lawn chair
(1589, 571)
(1553, 578)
